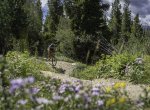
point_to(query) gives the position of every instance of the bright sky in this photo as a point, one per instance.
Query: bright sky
(43, 2)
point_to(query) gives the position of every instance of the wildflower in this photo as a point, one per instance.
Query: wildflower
(29, 80)
(95, 93)
(42, 101)
(56, 97)
(34, 90)
(122, 100)
(100, 102)
(77, 96)
(63, 88)
(119, 85)
(108, 89)
(110, 102)
(140, 104)
(22, 102)
(77, 88)
(123, 85)
(16, 84)
(95, 89)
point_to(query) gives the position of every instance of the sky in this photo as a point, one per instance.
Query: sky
(137, 6)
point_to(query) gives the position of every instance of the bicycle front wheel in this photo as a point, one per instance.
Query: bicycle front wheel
(54, 61)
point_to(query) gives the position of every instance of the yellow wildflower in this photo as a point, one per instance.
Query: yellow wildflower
(108, 89)
(122, 100)
(110, 102)
(117, 85)
(120, 85)
(123, 85)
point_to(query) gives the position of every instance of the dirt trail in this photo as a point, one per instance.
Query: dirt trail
(134, 91)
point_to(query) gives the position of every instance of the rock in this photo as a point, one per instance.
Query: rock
(139, 61)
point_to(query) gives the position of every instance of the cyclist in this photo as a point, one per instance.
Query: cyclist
(51, 51)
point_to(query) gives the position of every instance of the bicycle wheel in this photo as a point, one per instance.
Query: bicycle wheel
(54, 61)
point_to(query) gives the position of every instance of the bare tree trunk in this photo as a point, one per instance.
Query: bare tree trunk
(87, 56)
(96, 49)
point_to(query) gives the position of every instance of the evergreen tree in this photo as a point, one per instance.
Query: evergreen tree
(35, 15)
(136, 29)
(5, 21)
(55, 11)
(88, 22)
(19, 16)
(115, 21)
(40, 14)
(126, 21)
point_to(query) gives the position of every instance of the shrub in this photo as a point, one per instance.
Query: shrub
(122, 66)
(21, 64)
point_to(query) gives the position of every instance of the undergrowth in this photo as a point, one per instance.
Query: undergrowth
(121, 66)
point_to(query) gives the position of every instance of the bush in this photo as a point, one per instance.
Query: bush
(21, 64)
(122, 66)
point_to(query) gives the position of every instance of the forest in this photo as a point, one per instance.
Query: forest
(103, 56)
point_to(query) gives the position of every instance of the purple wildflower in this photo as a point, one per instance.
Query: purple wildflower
(16, 84)
(34, 90)
(100, 102)
(77, 88)
(22, 102)
(29, 80)
(95, 89)
(42, 101)
(56, 97)
(95, 93)
(87, 98)
(63, 88)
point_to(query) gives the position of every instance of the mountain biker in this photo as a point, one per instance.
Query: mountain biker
(51, 50)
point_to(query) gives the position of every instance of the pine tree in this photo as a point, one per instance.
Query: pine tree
(115, 21)
(40, 14)
(19, 16)
(136, 29)
(55, 11)
(126, 21)
(5, 31)
(87, 23)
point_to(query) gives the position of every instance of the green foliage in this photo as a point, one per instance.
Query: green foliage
(55, 11)
(126, 22)
(5, 24)
(115, 21)
(87, 27)
(21, 64)
(66, 38)
(78, 69)
(122, 66)
(136, 29)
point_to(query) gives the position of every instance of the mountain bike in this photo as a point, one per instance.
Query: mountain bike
(52, 61)
(51, 55)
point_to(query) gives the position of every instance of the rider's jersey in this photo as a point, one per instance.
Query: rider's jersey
(51, 47)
